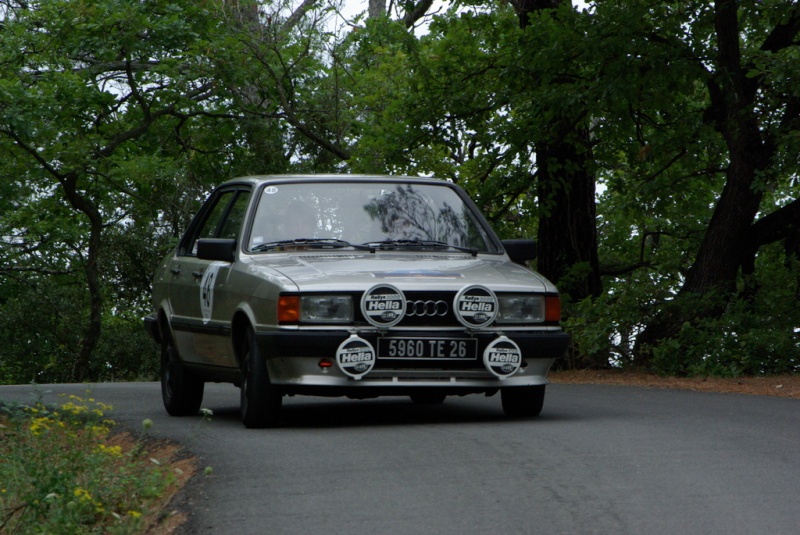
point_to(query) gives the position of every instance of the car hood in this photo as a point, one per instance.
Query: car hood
(407, 271)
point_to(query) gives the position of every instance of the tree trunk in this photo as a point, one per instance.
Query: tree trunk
(732, 96)
(377, 8)
(567, 210)
(81, 370)
(566, 190)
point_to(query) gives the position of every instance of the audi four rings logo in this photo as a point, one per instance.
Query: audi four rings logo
(426, 308)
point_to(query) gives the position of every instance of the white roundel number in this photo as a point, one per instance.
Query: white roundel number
(207, 284)
(355, 357)
(502, 357)
(475, 306)
(383, 305)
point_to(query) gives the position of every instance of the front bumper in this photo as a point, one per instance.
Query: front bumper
(301, 363)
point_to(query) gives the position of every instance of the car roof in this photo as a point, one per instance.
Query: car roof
(331, 177)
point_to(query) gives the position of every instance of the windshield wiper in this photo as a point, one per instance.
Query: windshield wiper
(389, 244)
(320, 243)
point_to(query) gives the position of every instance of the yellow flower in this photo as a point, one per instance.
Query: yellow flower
(99, 430)
(40, 424)
(114, 451)
(73, 409)
(82, 494)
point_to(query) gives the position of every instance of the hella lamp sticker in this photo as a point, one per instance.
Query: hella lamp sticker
(383, 305)
(475, 306)
(355, 357)
(502, 357)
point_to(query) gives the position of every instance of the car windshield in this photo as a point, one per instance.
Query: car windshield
(376, 215)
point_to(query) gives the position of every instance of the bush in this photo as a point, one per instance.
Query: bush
(758, 332)
(64, 471)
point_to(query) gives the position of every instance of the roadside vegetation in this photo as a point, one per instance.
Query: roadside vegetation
(66, 469)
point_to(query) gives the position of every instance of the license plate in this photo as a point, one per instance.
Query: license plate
(427, 348)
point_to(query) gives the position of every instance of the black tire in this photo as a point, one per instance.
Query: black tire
(181, 391)
(428, 398)
(260, 399)
(523, 401)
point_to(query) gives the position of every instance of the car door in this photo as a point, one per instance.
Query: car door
(203, 337)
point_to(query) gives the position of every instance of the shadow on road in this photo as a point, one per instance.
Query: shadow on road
(305, 413)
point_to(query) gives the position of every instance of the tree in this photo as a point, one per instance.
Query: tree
(757, 115)
(669, 113)
(82, 85)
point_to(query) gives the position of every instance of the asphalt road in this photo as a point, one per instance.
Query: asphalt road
(600, 459)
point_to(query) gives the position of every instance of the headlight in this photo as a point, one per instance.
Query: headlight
(520, 308)
(326, 309)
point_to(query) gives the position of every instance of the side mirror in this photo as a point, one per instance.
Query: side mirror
(520, 251)
(216, 249)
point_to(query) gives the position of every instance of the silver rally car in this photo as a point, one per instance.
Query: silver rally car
(357, 286)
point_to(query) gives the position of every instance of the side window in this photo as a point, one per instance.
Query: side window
(210, 225)
(233, 222)
(222, 220)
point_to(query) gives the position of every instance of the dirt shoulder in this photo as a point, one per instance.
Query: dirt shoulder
(779, 385)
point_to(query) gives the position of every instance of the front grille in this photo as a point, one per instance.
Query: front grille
(423, 309)
(433, 309)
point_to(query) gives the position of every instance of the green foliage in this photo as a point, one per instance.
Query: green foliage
(441, 105)
(756, 335)
(62, 472)
(42, 325)
(735, 345)
(40, 330)
(102, 106)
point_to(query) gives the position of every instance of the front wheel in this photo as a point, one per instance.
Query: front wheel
(181, 391)
(522, 401)
(260, 399)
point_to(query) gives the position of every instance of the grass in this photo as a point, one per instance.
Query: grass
(68, 470)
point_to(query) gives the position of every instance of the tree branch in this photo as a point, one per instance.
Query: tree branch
(784, 34)
(419, 11)
(298, 14)
(777, 225)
